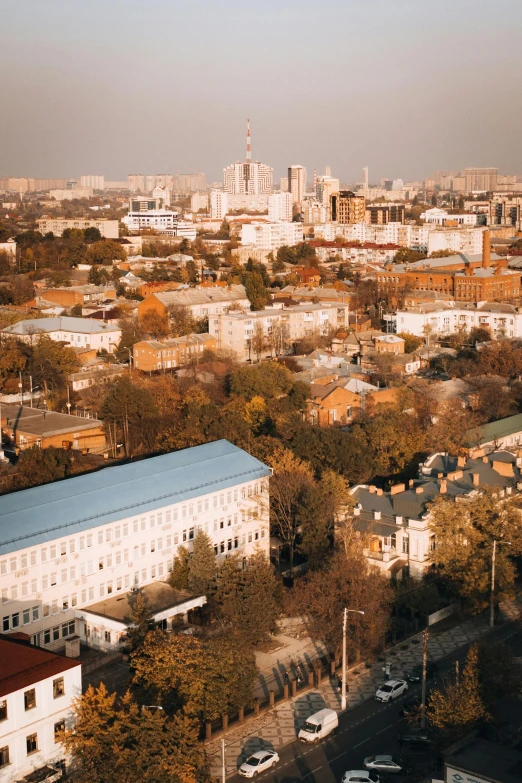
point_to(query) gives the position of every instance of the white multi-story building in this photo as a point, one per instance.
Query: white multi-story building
(458, 240)
(107, 228)
(280, 207)
(94, 181)
(76, 332)
(441, 216)
(297, 183)
(271, 236)
(162, 220)
(218, 204)
(36, 692)
(68, 194)
(163, 193)
(68, 545)
(248, 178)
(325, 186)
(280, 327)
(199, 201)
(443, 318)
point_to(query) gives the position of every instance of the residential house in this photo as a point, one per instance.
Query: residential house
(331, 404)
(308, 275)
(501, 434)
(200, 302)
(23, 427)
(79, 294)
(76, 332)
(153, 355)
(37, 688)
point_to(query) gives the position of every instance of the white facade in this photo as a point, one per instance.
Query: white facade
(198, 201)
(218, 204)
(459, 240)
(162, 220)
(250, 177)
(8, 247)
(164, 193)
(44, 586)
(280, 207)
(27, 727)
(281, 327)
(441, 216)
(502, 320)
(271, 236)
(67, 194)
(297, 183)
(107, 228)
(76, 332)
(94, 181)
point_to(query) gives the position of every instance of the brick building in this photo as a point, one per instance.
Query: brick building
(153, 355)
(23, 427)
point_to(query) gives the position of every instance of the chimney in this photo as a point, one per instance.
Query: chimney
(443, 487)
(476, 479)
(419, 490)
(461, 461)
(504, 468)
(372, 489)
(379, 491)
(486, 250)
(397, 488)
(410, 484)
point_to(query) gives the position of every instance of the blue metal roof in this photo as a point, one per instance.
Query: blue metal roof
(40, 514)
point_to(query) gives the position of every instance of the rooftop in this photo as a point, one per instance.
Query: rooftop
(44, 513)
(193, 296)
(44, 423)
(23, 664)
(488, 760)
(159, 595)
(61, 324)
(488, 433)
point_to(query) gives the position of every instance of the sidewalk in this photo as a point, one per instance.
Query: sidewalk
(279, 726)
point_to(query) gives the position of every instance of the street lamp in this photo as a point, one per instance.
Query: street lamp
(492, 596)
(345, 618)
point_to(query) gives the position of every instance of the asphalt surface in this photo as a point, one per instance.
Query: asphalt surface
(371, 728)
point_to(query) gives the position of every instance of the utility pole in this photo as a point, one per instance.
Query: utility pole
(223, 766)
(425, 636)
(31, 387)
(343, 685)
(492, 595)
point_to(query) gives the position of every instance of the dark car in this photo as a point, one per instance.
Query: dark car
(415, 674)
(410, 706)
(416, 738)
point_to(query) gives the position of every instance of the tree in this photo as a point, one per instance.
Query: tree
(105, 252)
(142, 619)
(442, 253)
(464, 534)
(258, 340)
(256, 290)
(117, 741)
(181, 320)
(178, 578)
(201, 565)
(41, 466)
(154, 324)
(498, 673)
(345, 581)
(411, 342)
(407, 256)
(247, 599)
(269, 380)
(125, 407)
(456, 708)
(91, 234)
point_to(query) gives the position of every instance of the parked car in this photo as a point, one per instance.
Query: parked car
(410, 705)
(415, 738)
(391, 690)
(258, 762)
(319, 725)
(415, 674)
(384, 763)
(360, 776)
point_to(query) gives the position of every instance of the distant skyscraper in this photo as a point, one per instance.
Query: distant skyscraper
(347, 207)
(283, 184)
(95, 181)
(325, 187)
(248, 177)
(480, 180)
(365, 177)
(297, 183)
(280, 206)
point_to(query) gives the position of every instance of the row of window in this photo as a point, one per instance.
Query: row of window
(31, 743)
(118, 531)
(30, 698)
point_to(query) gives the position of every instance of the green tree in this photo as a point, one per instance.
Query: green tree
(142, 619)
(456, 708)
(105, 252)
(407, 256)
(269, 380)
(201, 565)
(41, 466)
(92, 234)
(125, 408)
(178, 578)
(411, 342)
(256, 290)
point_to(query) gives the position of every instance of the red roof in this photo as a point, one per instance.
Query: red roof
(24, 665)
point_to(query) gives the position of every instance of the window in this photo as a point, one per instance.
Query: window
(3, 567)
(15, 620)
(59, 729)
(63, 548)
(36, 613)
(53, 579)
(23, 560)
(27, 616)
(58, 688)
(406, 546)
(30, 699)
(32, 743)
(4, 756)
(53, 551)
(3, 710)
(108, 636)
(100, 536)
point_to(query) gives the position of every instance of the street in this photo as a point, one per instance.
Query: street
(370, 728)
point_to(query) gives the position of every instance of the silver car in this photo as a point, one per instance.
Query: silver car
(258, 762)
(383, 763)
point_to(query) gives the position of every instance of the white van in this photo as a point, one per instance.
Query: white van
(319, 725)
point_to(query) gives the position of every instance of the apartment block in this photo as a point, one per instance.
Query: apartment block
(503, 320)
(271, 236)
(107, 228)
(346, 207)
(280, 327)
(36, 692)
(68, 194)
(76, 332)
(154, 355)
(380, 214)
(280, 207)
(200, 302)
(99, 535)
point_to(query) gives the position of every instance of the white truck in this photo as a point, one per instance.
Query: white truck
(319, 725)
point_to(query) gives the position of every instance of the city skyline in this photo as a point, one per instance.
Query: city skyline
(100, 102)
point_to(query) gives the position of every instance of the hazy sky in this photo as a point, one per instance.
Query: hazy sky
(152, 86)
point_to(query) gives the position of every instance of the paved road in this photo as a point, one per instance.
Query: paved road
(370, 728)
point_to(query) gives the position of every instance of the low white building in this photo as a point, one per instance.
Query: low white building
(107, 228)
(440, 217)
(36, 691)
(443, 318)
(271, 236)
(280, 327)
(76, 332)
(164, 221)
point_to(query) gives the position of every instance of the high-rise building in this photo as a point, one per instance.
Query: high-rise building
(218, 204)
(325, 187)
(480, 180)
(381, 214)
(365, 178)
(94, 181)
(136, 182)
(189, 183)
(248, 177)
(297, 183)
(506, 211)
(280, 206)
(283, 184)
(346, 207)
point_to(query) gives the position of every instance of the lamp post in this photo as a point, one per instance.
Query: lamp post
(492, 596)
(345, 619)
(151, 707)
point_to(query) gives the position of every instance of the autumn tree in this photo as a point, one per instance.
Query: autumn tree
(105, 252)
(457, 707)
(41, 466)
(154, 324)
(178, 577)
(141, 619)
(124, 409)
(269, 380)
(181, 321)
(118, 741)
(464, 532)
(258, 340)
(201, 565)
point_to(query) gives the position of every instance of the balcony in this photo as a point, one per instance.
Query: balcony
(384, 557)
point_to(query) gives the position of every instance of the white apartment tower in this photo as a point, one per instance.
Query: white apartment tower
(280, 207)
(248, 177)
(94, 181)
(297, 183)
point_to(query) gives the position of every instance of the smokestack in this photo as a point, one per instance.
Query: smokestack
(249, 149)
(486, 250)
